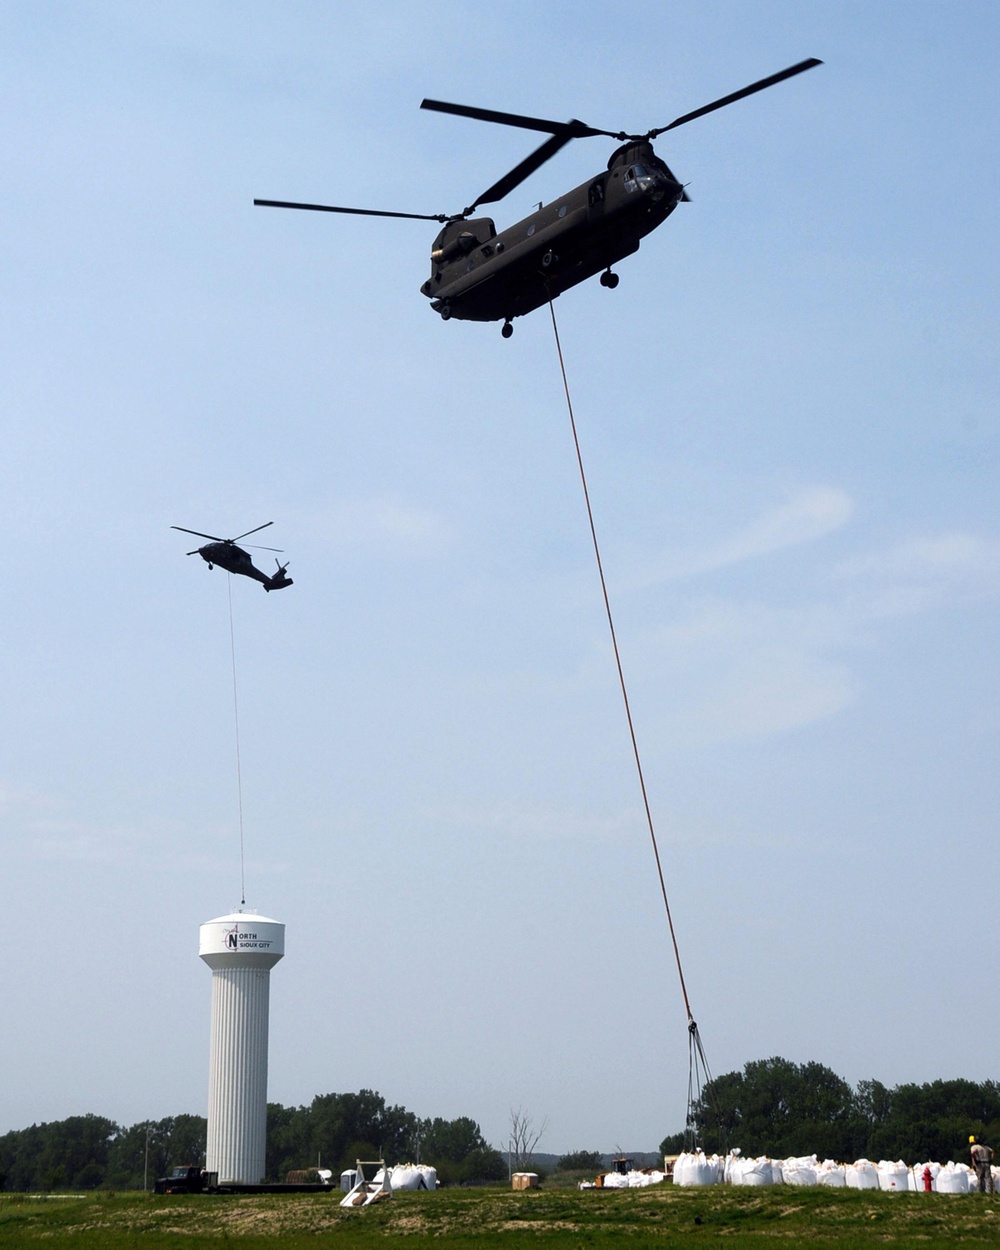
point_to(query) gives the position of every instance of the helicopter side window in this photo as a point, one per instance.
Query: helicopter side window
(596, 193)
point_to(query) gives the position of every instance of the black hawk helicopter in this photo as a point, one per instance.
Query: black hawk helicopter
(479, 275)
(225, 553)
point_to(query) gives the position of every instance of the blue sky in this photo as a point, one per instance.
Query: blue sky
(787, 411)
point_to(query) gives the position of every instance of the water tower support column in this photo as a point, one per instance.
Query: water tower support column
(241, 949)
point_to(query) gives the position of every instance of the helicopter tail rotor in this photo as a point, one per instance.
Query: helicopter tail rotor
(280, 579)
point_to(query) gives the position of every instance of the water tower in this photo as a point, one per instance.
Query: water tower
(241, 949)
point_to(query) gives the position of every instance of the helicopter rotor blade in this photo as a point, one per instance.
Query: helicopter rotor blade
(572, 129)
(198, 534)
(258, 547)
(249, 532)
(518, 174)
(357, 212)
(753, 88)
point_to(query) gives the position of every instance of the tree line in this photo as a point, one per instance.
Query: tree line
(92, 1152)
(782, 1109)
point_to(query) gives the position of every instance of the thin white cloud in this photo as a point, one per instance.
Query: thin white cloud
(809, 515)
(923, 573)
(732, 669)
(727, 671)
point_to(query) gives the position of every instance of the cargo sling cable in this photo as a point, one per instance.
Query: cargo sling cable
(697, 1063)
(236, 718)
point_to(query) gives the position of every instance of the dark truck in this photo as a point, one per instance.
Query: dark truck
(195, 1180)
(186, 1180)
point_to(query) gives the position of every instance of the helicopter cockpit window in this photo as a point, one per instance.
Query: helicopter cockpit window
(639, 178)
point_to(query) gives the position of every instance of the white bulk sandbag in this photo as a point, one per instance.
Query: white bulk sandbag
(777, 1175)
(954, 1179)
(893, 1176)
(861, 1175)
(696, 1169)
(752, 1172)
(831, 1174)
(917, 1176)
(799, 1171)
(615, 1180)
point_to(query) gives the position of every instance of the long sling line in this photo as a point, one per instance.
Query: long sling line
(696, 1053)
(236, 718)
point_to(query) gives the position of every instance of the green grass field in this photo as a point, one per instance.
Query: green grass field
(453, 1219)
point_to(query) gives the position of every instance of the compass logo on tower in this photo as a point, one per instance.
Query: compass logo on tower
(232, 938)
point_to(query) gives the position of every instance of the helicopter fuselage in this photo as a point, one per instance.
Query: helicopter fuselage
(235, 560)
(479, 275)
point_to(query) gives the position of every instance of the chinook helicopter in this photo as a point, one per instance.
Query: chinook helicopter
(479, 275)
(225, 553)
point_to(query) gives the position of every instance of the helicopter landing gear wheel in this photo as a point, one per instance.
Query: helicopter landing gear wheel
(549, 259)
(609, 279)
(507, 330)
(445, 311)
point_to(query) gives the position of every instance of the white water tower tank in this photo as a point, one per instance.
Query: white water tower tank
(241, 949)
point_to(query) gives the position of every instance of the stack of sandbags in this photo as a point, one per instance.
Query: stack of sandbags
(639, 1180)
(411, 1176)
(614, 1180)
